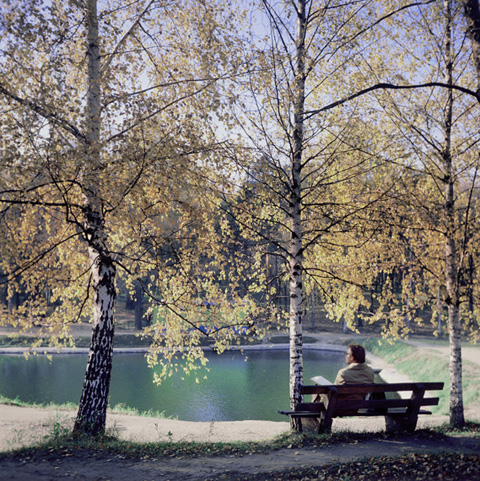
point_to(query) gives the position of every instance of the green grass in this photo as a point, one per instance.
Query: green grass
(426, 365)
(121, 341)
(390, 353)
(17, 341)
(124, 409)
(18, 402)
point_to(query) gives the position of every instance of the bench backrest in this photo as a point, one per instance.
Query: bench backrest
(370, 388)
(336, 392)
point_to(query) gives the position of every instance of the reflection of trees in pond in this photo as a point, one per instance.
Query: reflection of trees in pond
(234, 389)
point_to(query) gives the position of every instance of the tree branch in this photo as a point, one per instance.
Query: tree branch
(43, 112)
(387, 86)
(122, 40)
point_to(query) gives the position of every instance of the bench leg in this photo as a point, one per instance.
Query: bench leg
(296, 423)
(325, 424)
(326, 417)
(311, 424)
(407, 422)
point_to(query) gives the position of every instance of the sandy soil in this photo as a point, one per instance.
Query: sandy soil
(24, 425)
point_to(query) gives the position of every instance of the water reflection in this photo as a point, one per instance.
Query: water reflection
(235, 388)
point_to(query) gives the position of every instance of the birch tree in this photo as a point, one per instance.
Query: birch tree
(309, 168)
(431, 222)
(107, 136)
(351, 145)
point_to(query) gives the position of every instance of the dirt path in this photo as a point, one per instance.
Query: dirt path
(89, 466)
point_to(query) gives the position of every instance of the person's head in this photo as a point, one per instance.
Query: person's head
(355, 353)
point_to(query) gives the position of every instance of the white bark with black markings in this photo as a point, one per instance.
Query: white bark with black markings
(92, 411)
(295, 248)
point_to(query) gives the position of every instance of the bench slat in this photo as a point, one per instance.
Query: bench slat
(366, 388)
(301, 414)
(382, 403)
(313, 414)
(350, 405)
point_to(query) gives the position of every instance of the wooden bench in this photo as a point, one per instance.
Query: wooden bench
(400, 414)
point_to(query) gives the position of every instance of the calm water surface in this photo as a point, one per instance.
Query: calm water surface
(235, 389)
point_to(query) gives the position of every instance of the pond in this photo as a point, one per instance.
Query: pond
(235, 389)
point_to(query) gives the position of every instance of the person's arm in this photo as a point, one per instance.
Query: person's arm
(340, 379)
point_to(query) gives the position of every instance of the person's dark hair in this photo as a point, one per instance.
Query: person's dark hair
(358, 353)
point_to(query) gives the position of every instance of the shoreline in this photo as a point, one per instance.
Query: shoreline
(140, 350)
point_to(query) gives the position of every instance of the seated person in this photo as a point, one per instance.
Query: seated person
(357, 372)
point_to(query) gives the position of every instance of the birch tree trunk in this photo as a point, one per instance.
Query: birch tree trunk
(312, 313)
(451, 268)
(439, 308)
(472, 16)
(91, 416)
(139, 311)
(296, 251)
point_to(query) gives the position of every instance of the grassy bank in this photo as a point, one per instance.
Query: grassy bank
(124, 340)
(134, 340)
(427, 365)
